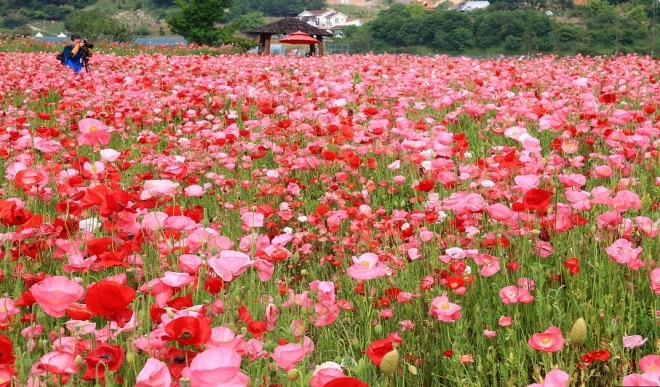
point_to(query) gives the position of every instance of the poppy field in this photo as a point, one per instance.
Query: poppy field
(234, 220)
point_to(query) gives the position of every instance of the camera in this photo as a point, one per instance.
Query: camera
(88, 44)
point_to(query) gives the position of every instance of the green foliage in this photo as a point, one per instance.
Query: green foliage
(273, 7)
(251, 20)
(13, 21)
(196, 20)
(95, 25)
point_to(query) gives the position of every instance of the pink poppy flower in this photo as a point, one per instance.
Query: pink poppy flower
(622, 251)
(650, 363)
(109, 155)
(648, 227)
(55, 294)
(286, 356)
(366, 267)
(549, 341)
(217, 367)
(554, 378)
(325, 373)
(92, 132)
(253, 219)
(634, 341)
(655, 281)
(444, 310)
(505, 321)
(509, 294)
(156, 188)
(194, 191)
(154, 374)
(58, 363)
(499, 211)
(623, 200)
(230, 264)
(648, 379)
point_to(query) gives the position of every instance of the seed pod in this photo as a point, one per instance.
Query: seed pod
(578, 334)
(390, 362)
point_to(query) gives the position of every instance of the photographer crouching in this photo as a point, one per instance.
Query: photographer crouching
(77, 54)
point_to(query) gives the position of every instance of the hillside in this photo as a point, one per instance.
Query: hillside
(46, 16)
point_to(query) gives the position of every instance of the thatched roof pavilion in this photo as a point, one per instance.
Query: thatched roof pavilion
(286, 26)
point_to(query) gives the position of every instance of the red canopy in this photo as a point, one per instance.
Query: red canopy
(299, 38)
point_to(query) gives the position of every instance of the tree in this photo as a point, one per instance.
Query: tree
(95, 25)
(196, 20)
(251, 20)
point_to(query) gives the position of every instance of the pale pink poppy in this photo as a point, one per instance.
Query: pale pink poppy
(7, 308)
(92, 132)
(325, 373)
(490, 334)
(648, 227)
(230, 264)
(399, 179)
(549, 341)
(55, 294)
(634, 341)
(554, 378)
(288, 355)
(154, 374)
(58, 362)
(465, 359)
(367, 266)
(573, 180)
(444, 310)
(177, 280)
(217, 367)
(223, 337)
(253, 219)
(154, 220)
(109, 155)
(194, 191)
(156, 188)
(255, 350)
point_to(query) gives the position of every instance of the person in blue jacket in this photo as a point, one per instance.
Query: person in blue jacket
(75, 54)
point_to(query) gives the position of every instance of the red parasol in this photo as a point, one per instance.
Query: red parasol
(299, 38)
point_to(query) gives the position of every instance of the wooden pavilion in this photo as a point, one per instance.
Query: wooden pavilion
(286, 26)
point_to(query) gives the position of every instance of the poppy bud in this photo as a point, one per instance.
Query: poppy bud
(130, 358)
(412, 369)
(578, 334)
(293, 374)
(184, 382)
(78, 360)
(378, 329)
(390, 362)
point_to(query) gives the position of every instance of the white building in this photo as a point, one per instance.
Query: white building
(324, 18)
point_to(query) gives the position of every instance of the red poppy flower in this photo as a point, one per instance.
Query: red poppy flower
(188, 330)
(425, 185)
(346, 382)
(244, 314)
(106, 357)
(535, 200)
(573, 265)
(448, 353)
(105, 298)
(608, 98)
(377, 349)
(177, 360)
(257, 328)
(78, 311)
(6, 350)
(600, 355)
